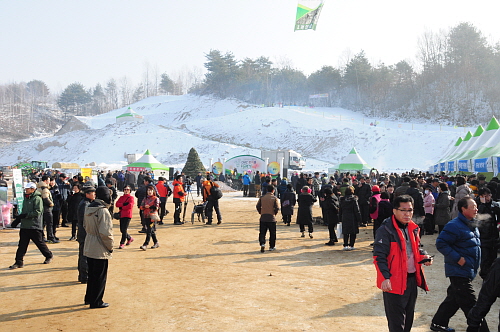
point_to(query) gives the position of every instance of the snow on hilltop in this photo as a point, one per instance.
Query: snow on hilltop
(226, 128)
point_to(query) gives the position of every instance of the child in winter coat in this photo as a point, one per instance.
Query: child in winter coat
(149, 205)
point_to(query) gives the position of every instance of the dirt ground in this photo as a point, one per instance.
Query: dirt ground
(212, 278)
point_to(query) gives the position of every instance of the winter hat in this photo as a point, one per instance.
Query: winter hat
(376, 189)
(102, 193)
(328, 192)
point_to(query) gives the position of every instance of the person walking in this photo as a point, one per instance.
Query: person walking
(490, 291)
(305, 201)
(74, 199)
(48, 204)
(164, 191)
(246, 184)
(98, 246)
(268, 207)
(330, 206)
(374, 206)
(179, 196)
(463, 190)
(350, 217)
(31, 220)
(442, 206)
(429, 202)
(489, 212)
(150, 205)
(257, 180)
(363, 193)
(212, 203)
(398, 260)
(288, 200)
(126, 204)
(460, 245)
(81, 234)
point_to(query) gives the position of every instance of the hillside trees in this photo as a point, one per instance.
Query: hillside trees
(74, 99)
(223, 74)
(326, 80)
(456, 82)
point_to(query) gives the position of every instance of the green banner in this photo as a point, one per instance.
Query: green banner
(308, 14)
(17, 177)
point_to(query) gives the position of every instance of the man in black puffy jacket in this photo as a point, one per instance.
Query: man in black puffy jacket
(487, 296)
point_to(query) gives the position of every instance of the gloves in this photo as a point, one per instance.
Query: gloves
(15, 222)
(125, 204)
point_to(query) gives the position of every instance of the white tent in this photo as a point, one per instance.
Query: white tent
(353, 162)
(129, 115)
(146, 162)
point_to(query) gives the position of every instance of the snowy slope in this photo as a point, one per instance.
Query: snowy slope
(226, 128)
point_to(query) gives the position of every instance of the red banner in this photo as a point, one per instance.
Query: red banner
(136, 169)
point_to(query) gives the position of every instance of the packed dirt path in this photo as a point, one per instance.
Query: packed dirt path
(213, 278)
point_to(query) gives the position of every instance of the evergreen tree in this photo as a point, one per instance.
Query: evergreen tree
(193, 164)
(74, 98)
(166, 84)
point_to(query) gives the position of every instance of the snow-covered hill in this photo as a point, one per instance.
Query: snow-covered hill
(226, 128)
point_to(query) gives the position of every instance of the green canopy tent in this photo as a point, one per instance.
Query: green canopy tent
(129, 115)
(353, 162)
(147, 163)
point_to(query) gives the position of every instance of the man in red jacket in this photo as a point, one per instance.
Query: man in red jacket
(164, 191)
(179, 195)
(398, 260)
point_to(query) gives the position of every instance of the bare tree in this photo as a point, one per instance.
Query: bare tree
(125, 91)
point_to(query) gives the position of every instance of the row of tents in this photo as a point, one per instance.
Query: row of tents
(353, 162)
(477, 152)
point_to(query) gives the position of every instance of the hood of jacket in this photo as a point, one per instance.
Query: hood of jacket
(96, 205)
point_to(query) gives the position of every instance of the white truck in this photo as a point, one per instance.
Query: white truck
(290, 159)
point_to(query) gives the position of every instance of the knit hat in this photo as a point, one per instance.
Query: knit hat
(103, 194)
(376, 189)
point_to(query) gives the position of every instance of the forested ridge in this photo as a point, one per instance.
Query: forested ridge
(456, 81)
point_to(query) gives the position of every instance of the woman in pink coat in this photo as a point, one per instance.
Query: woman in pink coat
(125, 203)
(429, 201)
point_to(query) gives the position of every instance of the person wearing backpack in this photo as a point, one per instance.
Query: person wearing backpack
(211, 199)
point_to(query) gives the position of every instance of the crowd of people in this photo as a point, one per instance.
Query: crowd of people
(52, 200)
(462, 211)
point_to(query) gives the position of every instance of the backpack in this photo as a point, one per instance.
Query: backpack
(215, 192)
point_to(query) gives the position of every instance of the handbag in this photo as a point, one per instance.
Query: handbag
(339, 230)
(154, 216)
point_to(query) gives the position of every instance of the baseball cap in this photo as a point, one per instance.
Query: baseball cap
(30, 185)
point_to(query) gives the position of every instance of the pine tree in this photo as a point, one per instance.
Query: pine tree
(193, 164)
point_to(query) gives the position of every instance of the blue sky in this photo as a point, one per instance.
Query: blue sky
(91, 41)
